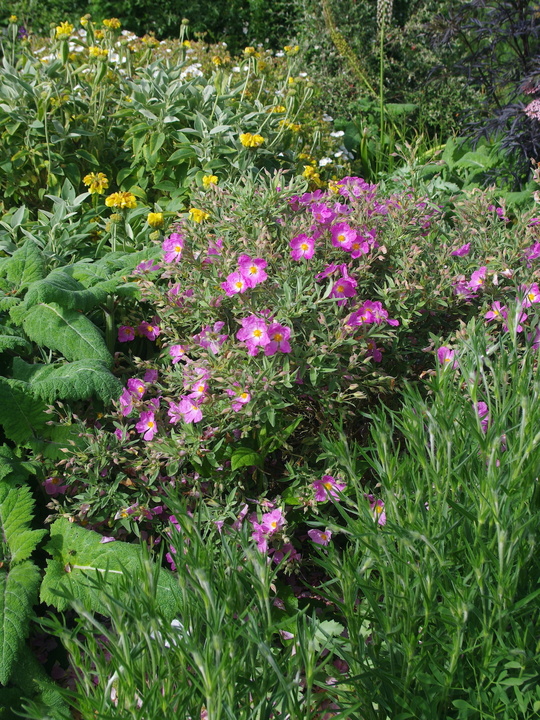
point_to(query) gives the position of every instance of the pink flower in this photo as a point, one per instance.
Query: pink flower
(273, 521)
(279, 339)
(343, 236)
(126, 402)
(478, 279)
(532, 294)
(328, 270)
(360, 246)
(462, 251)
(497, 312)
(377, 508)
(319, 537)
(322, 213)
(150, 376)
(533, 252)
(126, 333)
(136, 387)
(53, 486)
(190, 409)
(235, 283)
(289, 553)
(147, 425)
(177, 352)
(302, 247)
(173, 247)
(174, 412)
(371, 312)
(238, 399)
(211, 338)
(199, 390)
(149, 331)
(373, 351)
(252, 270)
(327, 488)
(446, 357)
(343, 288)
(482, 411)
(254, 333)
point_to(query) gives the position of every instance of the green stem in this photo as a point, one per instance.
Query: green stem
(110, 328)
(381, 95)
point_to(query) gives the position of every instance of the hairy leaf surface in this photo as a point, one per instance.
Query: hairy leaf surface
(21, 414)
(26, 265)
(11, 339)
(18, 540)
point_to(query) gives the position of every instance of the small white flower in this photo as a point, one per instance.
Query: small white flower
(325, 161)
(236, 69)
(302, 74)
(337, 133)
(338, 154)
(280, 53)
(327, 118)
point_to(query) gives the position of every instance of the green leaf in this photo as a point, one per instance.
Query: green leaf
(79, 558)
(18, 593)
(244, 457)
(33, 680)
(26, 266)
(18, 540)
(11, 339)
(58, 287)
(67, 331)
(78, 380)
(21, 415)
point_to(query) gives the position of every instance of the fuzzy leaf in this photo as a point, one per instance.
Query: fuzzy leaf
(26, 266)
(13, 470)
(53, 439)
(21, 415)
(67, 331)
(18, 540)
(78, 380)
(18, 593)
(34, 682)
(78, 558)
(58, 287)
(11, 339)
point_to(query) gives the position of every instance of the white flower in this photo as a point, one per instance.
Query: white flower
(337, 133)
(236, 69)
(338, 154)
(302, 74)
(327, 118)
(280, 53)
(325, 161)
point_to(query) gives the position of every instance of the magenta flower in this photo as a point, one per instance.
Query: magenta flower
(147, 425)
(533, 252)
(252, 270)
(273, 521)
(322, 213)
(150, 376)
(319, 537)
(149, 331)
(238, 399)
(343, 236)
(178, 352)
(377, 508)
(126, 402)
(254, 333)
(462, 251)
(371, 312)
(279, 339)
(360, 246)
(532, 294)
(199, 390)
(302, 247)
(136, 387)
(446, 357)
(286, 552)
(497, 312)
(53, 486)
(190, 410)
(478, 279)
(328, 270)
(343, 288)
(146, 266)
(235, 283)
(210, 337)
(126, 333)
(327, 488)
(174, 412)
(482, 411)
(373, 351)
(173, 247)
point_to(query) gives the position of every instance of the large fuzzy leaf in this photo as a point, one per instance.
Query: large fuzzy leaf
(58, 287)
(54, 439)
(78, 380)
(18, 593)
(67, 331)
(37, 686)
(21, 415)
(26, 265)
(13, 470)
(18, 539)
(79, 558)
(11, 339)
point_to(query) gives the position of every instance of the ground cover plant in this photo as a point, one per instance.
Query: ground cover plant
(268, 445)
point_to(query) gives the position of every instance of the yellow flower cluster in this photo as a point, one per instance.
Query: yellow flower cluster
(112, 24)
(13, 19)
(311, 174)
(198, 215)
(249, 51)
(99, 34)
(292, 49)
(97, 52)
(121, 200)
(250, 140)
(85, 19)
(150, 41)
(277, 109)
(155, 219)
(295, 127)
(64, 30)
(217, 60)
(96, 182)
(210, 180)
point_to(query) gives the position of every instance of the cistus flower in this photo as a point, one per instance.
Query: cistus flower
(121, 200)
(327, 488)
(64, 30)
(532, 294)
(320, 537)
(190, 410)
(377, 508)
(254, 333)
(96, 183)
(155, 219)
(147, 330)
(136, 387)
(147, 425)
(211, 337)
(251, 141)
(322, 213)
(482, 411)
(234, 283)
(446, 357)
(279, 339)
(177, 352)
(302, 247)
(209, 180)
(461, 251)
(198, 215)
(238, 399)
(252, 270)
(374, 351)
(343, 288)
(126, 333)
(53, 486)
(173, 246)
(343, 236)
(497, 312)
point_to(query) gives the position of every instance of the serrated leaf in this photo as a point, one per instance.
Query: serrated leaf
(11, 339)
(58, 287)
(78, 380)
(18, 593)
(34, 682)
(78, 557)
(67, 331)
(26, 266)
(13, 470)
(18, 540)
(21, 414)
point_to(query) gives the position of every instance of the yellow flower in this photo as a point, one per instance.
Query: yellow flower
(295, 127)
(99, 34)
(187, 43)
(112, 24)
(334, 186)
(84, 20)
(278, 109)
(250, 140)
(311, 174)
(249, 51)
(64, 30)
(291, 49)
(96, 52)
(13, 19)
(155, 219)
(210, 180)
(150, 41)
(96, 182)
(217, 60)
(121, 200)
(198, 215)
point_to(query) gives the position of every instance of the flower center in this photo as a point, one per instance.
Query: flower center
(304, 247)
(341, 237)
(340, 288)
(239, 284)
(257, 333)
(278, 337)
(150, 425)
